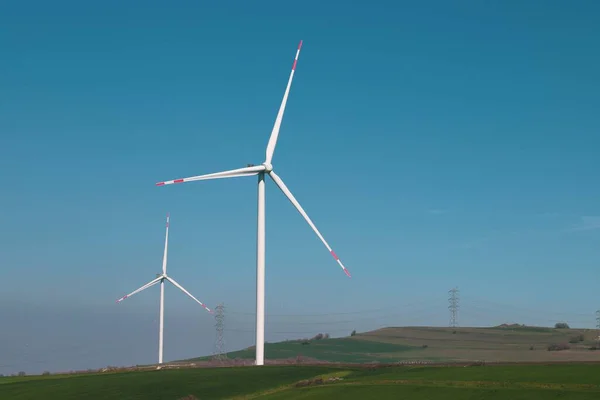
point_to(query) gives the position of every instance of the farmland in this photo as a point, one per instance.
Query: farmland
(508, 362)
(391, 345)
(565, 381)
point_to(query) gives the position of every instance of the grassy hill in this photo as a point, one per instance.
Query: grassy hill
(346, 350)
(502, 343)
(531, 382)
(388, 345)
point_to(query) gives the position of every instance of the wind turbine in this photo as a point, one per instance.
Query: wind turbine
(261, 170)
(161, 278)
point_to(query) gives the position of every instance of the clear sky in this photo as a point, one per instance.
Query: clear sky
(435, 145)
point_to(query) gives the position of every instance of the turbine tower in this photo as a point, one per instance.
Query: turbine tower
(161, 278)
(265, 168)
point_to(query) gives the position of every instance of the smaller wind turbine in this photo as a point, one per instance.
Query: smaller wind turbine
(161, 279)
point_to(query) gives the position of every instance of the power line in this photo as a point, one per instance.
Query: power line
(366, 317)
(313, 332)
(220, 328)
(314, 315)
(329, 314)
(453, 307)
(479, 300)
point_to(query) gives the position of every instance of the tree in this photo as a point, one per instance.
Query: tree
(561, 325)
(353, 333)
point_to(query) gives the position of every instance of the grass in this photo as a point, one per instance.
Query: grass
(393, 392)
(532, 382)
(504, 344)
(335, 350)
(218, 383)
(497, 344)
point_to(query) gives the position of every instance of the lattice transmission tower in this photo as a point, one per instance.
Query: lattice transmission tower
(598, 326)
(453, 307)
(220, 333)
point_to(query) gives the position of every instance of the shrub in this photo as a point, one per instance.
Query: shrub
(531, 348)
(353, 333)
(561, 325)
(22, 373)
(46, 373)
(558, 347)
(576, 339)
(425, 346)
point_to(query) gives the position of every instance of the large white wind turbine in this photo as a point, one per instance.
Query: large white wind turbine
(161, 278)
(261, 170)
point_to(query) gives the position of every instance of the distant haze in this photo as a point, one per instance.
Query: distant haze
(41, 338)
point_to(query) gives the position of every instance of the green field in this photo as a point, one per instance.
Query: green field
(389, 345)
(335, 350)
(566, 381)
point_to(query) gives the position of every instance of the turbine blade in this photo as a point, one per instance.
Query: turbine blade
(293, 200)
(275, 132)
(146, 286)
(234, 173)
(164, 267)
(188, 293)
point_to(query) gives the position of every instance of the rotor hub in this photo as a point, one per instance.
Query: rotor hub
(268, 167)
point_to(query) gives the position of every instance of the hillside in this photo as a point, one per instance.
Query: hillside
(394, 344)
(531, 382)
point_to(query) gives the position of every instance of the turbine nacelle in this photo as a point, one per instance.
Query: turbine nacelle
(268, 167)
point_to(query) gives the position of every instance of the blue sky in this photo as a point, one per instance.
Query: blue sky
(434, 145)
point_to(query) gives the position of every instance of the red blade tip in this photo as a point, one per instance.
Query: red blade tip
(300, 45)
(160, 183)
